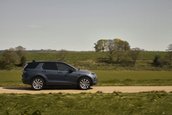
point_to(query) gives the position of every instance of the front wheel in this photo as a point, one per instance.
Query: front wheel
(37, 83)
(84, 83)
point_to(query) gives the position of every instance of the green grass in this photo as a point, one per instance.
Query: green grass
(78, 59)
(112, 77)
(153, 103)
(105, 77)
(70, 57)
(149, 55)
(10, 78)
(84, 55)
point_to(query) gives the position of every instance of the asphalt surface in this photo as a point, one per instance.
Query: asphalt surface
(103, 89)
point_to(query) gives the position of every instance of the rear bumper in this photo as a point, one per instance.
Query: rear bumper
(25, 79)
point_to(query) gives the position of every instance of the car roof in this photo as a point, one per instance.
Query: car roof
(50, 62)
(46, 61)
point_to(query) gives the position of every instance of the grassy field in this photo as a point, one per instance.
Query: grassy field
(112, 77)
(10, 78)
(91, 59)
(73, 56)
(109, 77)
(152, 103)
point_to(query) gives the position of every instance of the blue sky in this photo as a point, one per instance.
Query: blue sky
(78, 24)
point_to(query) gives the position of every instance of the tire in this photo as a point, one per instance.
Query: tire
(38, 83)
(84, 83)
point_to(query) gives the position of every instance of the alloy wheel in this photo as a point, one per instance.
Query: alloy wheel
(84, 83)
(38, 83)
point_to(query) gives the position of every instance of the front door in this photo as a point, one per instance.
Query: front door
(50, 71)
(65, 73)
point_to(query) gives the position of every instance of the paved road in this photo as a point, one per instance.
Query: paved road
(104, 89)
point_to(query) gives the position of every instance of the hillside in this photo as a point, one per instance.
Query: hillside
(90, 59)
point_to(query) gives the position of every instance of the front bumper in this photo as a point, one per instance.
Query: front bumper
(94, 79)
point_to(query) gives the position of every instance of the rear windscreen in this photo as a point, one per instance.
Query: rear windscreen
(31, 65)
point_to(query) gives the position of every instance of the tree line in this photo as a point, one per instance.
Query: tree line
(120, 52)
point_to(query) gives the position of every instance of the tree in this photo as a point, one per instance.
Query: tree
(101, 45)
(23, 61)
(120, 45)
(20, 48)
(117, 47)
(13, 57)
(134, 53)
(21, 54)
(118, 50)
(111, 45)
(169, 56)
(20, 51)
(157, 62)
(9, 59)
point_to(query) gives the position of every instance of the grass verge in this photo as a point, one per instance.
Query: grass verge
(105, 77)
(130, 78)
(152, 103)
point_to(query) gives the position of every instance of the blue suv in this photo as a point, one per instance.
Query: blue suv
(40, 74)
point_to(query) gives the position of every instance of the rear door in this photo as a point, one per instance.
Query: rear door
(50, 70)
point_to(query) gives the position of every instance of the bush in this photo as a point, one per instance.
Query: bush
(121, 58)
(13, 57)
(9, 59)
(23, 61)
(157, 62)
(160, 62)
(5, 65)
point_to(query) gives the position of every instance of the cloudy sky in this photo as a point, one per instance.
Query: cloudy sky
(78, 24)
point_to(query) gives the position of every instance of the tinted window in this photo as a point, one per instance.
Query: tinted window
(63, 67)
(50, 66)
(31, 65)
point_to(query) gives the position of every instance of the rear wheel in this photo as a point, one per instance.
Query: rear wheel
(38, 83)
(84, 83)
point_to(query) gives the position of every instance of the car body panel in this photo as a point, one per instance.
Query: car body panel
(57, 77)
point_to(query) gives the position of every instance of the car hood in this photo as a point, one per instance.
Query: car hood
(84, 71)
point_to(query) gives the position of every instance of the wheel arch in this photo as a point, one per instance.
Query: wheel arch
(86, 77)
(40, 76)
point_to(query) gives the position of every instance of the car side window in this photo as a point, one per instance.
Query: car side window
(49, 66)
(62, 67)
(31, 65)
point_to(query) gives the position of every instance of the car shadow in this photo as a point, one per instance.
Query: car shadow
(45, 88)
